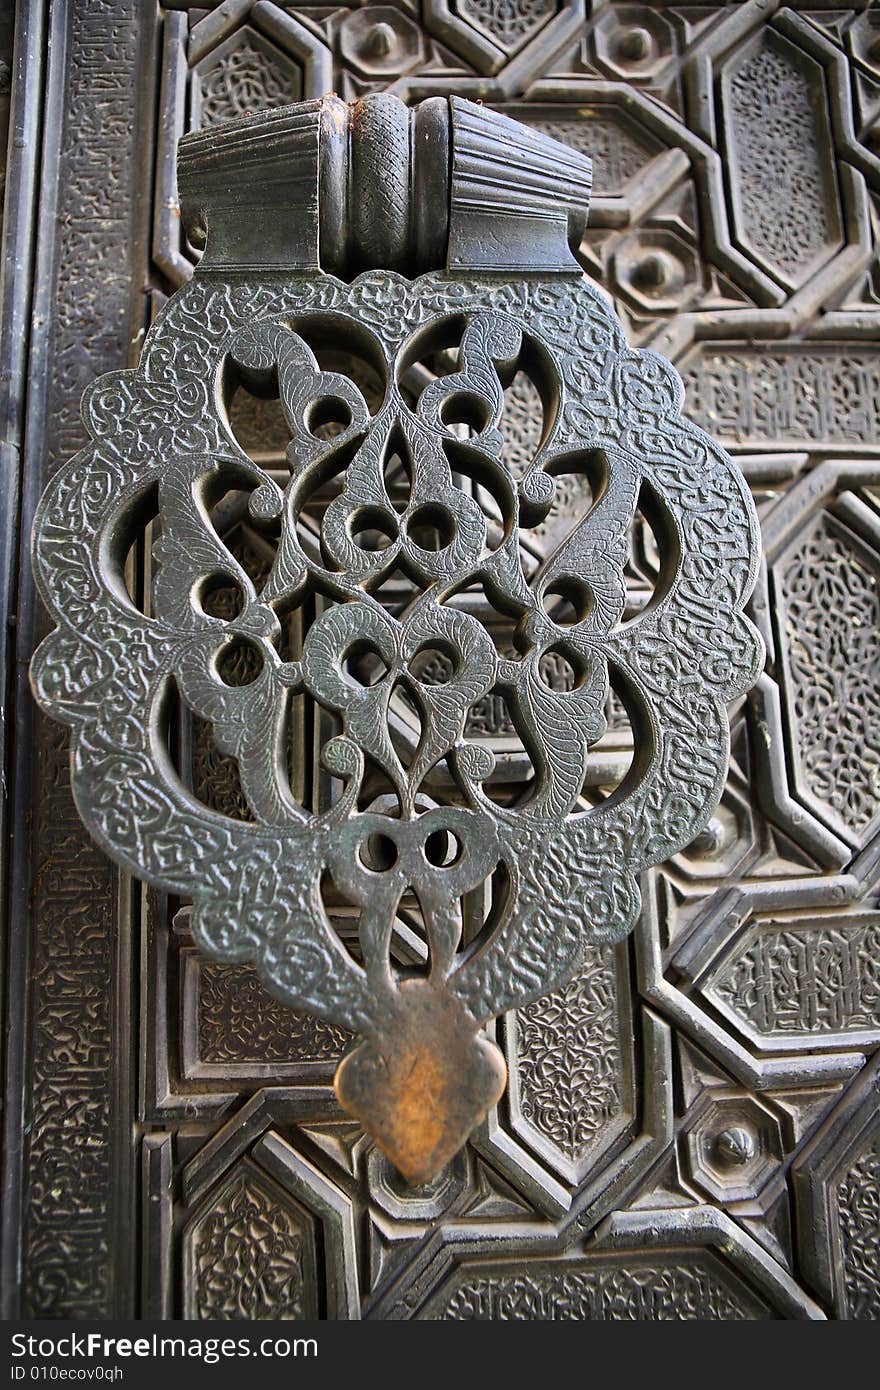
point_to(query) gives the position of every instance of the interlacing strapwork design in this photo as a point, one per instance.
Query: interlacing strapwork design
(406, 820)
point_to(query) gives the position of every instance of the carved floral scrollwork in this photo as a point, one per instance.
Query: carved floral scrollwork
(417, 484)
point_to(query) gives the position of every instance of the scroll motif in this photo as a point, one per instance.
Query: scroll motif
(399, 524)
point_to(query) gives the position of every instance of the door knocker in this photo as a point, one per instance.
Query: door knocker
(384, 274)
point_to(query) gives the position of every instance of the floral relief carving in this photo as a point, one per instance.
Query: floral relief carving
(569, 1058)
(831, 607)
(511, 22)
(251, 1256)
(256, 881)
(858, 1209)
(371, 590)
(244, 76)
(781, 165)
(238, 1022)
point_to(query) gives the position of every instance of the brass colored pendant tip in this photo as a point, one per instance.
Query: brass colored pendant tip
(423, 1084)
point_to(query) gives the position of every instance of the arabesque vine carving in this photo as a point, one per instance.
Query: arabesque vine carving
(418, 487)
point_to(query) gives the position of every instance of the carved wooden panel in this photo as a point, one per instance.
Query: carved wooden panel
(692, 1125)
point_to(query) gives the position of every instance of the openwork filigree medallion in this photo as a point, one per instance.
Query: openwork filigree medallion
(397, 526)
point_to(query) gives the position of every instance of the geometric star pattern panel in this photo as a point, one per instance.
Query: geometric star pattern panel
(691, 1129)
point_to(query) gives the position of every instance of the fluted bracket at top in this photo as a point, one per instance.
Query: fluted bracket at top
(336, 187)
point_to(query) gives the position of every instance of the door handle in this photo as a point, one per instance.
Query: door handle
(385, 274)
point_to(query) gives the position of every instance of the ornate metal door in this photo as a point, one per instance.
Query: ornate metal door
(691, 1128)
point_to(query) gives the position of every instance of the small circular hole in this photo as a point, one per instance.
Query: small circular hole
(239, 662)
(379, 853)
(430, 528)
(222, 598)
(371, 529)
(364, 664)
(462, 409)
(434, 665)
(561, 669)
(567, 600)
(328, 417)
(442, 849)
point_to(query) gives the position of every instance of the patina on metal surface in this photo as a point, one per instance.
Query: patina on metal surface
(384, 273)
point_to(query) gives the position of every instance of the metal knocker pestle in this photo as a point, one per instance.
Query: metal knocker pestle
(384, 273)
